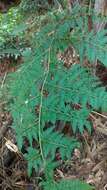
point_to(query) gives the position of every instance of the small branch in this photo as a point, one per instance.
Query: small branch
(3, 81)
(97, 113)
(99, 8)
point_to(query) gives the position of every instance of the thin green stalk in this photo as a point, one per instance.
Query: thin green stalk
(40, 109)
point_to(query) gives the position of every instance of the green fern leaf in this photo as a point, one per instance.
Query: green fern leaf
(67, 184)
(57, 141)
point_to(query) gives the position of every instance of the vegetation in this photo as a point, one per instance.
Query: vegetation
(44, 91)
(7, 23)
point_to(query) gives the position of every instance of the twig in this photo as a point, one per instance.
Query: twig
(3, 81)
(91, 115)
(97, 113)
(105, 187)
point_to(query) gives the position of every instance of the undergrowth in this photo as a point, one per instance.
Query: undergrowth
(44, 91)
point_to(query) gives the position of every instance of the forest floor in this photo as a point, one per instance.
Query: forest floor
(89, 163)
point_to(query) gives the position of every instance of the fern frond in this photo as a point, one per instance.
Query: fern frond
(67, 184)
(51, 143)
(43, 91)
(90, 44)
(63, 87)
(96, 46)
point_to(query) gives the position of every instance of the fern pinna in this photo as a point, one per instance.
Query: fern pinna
(44, 91)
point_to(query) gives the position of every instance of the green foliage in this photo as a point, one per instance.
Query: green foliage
(51, 142)
(67, 184)
(7, 22)
(44, 91)
(92, 46)
(41, 6)
(11, 45)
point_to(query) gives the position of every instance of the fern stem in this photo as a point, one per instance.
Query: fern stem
(40, 109)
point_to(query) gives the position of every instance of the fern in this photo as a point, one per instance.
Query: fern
(51, 142)
(67, 184)
(89, 44)
(7, 22)
(44, 91)
(93, 46)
